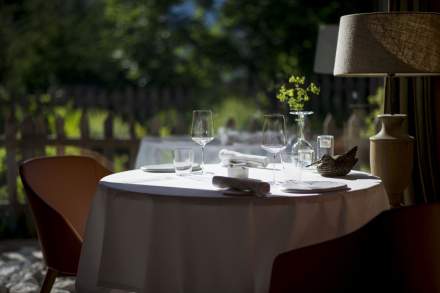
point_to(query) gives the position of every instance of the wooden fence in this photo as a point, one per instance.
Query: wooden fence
(29, 138)
(141, 104)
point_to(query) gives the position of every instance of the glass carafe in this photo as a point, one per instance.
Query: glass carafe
(302, 150)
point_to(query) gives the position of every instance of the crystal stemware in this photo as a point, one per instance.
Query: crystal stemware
(202, 130)
(274, 136)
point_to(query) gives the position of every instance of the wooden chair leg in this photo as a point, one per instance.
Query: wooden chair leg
(49, 279)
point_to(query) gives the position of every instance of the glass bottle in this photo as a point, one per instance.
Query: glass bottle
(302, 150)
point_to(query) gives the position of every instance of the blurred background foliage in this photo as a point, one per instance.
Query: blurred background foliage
(210, 45)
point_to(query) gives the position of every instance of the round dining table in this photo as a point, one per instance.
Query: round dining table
(159, 232)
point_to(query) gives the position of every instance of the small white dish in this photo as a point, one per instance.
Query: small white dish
(312, 186)
(165, 168)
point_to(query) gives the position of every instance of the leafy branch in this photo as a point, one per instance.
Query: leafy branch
(296, 93)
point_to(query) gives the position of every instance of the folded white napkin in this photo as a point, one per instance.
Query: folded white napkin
(227, 157)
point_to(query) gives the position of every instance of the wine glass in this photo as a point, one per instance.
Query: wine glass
(202, 130)
(274, 136)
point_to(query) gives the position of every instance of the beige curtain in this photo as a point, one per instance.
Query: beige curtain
(416, 97)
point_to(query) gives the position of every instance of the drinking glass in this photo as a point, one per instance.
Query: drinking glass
(183, 161)
(292, 169)
(325, 145)
(202, 130)
(274, 136)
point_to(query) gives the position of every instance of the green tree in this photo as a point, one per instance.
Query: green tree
(49, 42)
(212, 46)
(277, 38)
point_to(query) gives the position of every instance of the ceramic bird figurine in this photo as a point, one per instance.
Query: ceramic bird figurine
(338, 165)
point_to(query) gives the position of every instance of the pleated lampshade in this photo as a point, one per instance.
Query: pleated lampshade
(398, 43)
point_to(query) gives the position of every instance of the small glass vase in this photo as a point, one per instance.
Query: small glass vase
(302, 150)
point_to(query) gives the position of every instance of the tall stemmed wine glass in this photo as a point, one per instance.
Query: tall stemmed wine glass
(202, 130)
(274, 136)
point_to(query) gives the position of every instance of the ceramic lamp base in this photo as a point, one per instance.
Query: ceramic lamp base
(391, 156)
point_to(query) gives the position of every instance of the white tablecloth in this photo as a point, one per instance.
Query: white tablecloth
(159, 150)
(162, 233)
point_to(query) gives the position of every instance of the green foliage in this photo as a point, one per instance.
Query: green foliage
(72, 118)
(48, 42)
(238, 108)
(210, 46)
(166, 122)
(296, 93)
(377, 102)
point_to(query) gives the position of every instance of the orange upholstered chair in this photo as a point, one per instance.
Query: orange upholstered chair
(59, 191)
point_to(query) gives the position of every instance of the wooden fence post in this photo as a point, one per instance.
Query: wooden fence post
(40, 135)
(60, 135)
(27, 138)
(353, 135)
(329, 125)
(133, 145)
(11, 158)
(154, 100)
(84, 127)
(326, 93)
(33, 136)
(108, 136)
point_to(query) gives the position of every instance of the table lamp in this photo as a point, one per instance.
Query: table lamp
(389, 44)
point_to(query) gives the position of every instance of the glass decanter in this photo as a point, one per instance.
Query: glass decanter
(302, 150)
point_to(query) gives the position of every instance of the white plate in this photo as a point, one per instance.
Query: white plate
(312, 186)
(165, 168)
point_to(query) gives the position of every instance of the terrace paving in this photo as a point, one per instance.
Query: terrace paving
(22, 269)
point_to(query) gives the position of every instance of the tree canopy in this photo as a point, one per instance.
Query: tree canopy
(205, 44)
